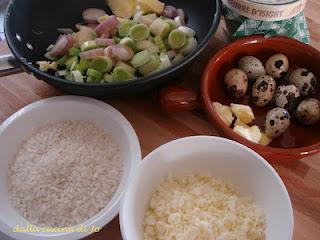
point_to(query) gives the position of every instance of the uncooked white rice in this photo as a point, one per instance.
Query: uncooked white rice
(64, 174)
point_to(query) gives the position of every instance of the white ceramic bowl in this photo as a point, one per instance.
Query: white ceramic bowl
(250, 174)
(21, 124)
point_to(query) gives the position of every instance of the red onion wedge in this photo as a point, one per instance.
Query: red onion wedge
(107, 27)
(92, 53)
(62, 45)
(91, 15)
(170, 12)
(108, 52)
(120, 52)
(105, 42)
(70, 41)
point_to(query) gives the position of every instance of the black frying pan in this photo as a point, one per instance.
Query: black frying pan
(30, 27)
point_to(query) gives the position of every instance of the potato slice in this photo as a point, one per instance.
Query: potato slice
(224, 113)
(238, 122)
(153, 6)
(123, 8)
(265, 140)
(252, 134)
(243, 112)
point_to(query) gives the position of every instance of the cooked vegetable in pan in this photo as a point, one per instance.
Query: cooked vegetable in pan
(110, 48)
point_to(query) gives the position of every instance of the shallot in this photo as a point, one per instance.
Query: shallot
(104, 42)
(107, 27)
(62, 45)
(170, 12)
(121, 52)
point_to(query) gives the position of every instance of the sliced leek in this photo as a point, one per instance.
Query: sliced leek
(177, 39)
(139, 32)
(141, 58)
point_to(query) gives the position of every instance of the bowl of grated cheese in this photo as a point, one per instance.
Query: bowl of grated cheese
(205, 188)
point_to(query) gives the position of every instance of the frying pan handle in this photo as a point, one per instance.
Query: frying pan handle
(175, 99)
(9, 65)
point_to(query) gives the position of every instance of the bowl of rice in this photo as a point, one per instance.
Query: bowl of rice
(65, 164)
(205, 188)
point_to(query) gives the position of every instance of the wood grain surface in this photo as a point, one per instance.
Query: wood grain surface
(155, 128)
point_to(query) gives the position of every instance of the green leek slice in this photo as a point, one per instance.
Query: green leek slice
(141, 58)
(121, 74)
(177, 39)
(124, 28)
(127, 67)
(74, 51)
(61, 61)
(82, 66)
(160, 28)
(88, 45)
(159, 42)
(139, 32)
(129, 43)
(71, 63)
(101, 64)
(94, 75)
(151, 66)
(107, 78)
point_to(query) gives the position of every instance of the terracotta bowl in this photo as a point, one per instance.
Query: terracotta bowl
(299, 141)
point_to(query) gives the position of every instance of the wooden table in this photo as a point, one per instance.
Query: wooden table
(154, 129)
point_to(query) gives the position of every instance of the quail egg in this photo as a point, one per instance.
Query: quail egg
(252, 66)
(263, 90)
(305, 81)
(236, 82)
(287, 97)
(277, 65)
(277, 122)
(308, 111)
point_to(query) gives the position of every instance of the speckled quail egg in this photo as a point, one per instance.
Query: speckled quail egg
(277, 65)
(252, 66)
(305, 81)
(277, 122)
(263, 90)
(287, 97)
(308, 111)
(236, 82)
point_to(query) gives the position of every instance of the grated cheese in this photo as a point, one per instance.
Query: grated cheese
(197, 207)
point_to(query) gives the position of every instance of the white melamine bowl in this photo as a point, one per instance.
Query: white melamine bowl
(21, 124)
(250, 174)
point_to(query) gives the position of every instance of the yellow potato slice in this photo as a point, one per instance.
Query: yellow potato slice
(224, 113)
(153, 6)
(265, 140)
(123, 8)
(252, 134)
(243, 112)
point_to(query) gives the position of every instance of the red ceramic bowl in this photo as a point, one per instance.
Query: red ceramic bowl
(299, 141)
